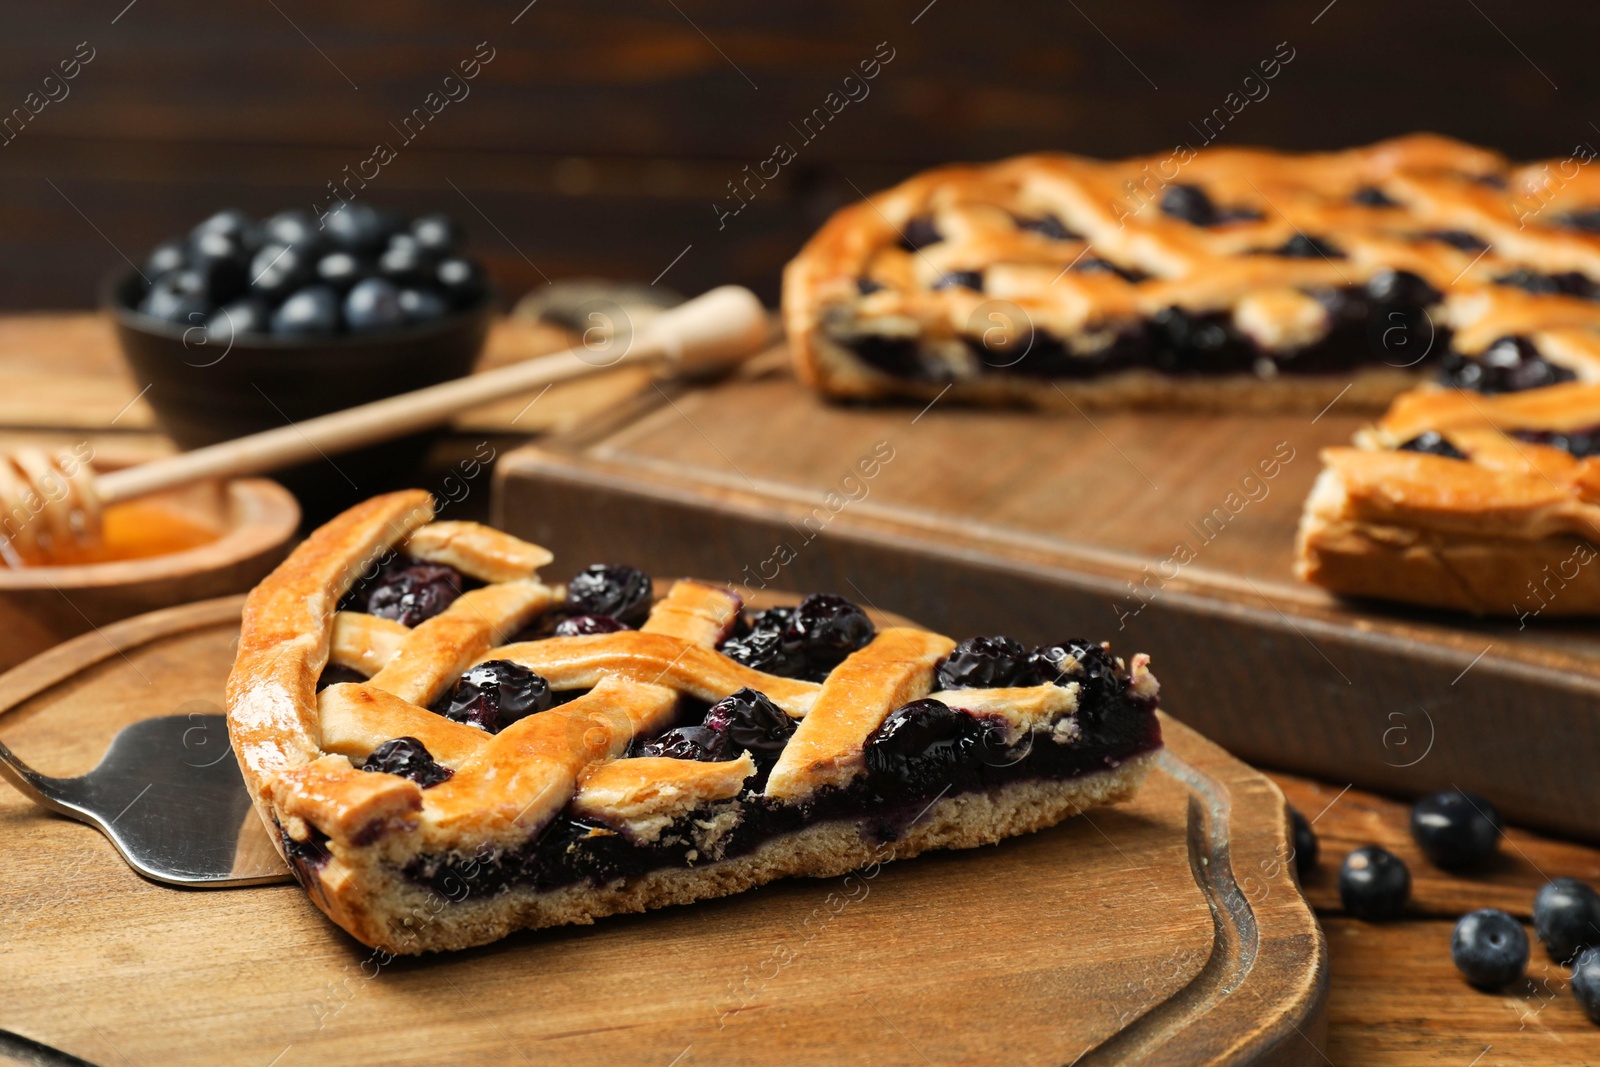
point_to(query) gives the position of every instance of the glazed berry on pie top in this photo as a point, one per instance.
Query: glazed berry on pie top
(409, 758)
(580, 625)
(805, 641)
(411, 592)
(611, 589)
(495, 694)
(1432, 443)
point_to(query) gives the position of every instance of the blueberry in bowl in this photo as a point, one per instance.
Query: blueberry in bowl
(247, 324)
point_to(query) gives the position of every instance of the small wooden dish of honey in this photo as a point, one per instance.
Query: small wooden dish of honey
(202, 540)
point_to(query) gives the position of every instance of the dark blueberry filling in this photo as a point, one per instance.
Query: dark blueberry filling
(305, 857)
(920, 232)
(1565, 283)
(495, 694)
(964, 279)
(1580, 443)
(929, 752)
(866, 286)
(613, 589)
(1383, 322)
(1372, 196)
(806, 641)
(982, 663)
(1048, 226)
(406, 590)
(1096, 265)
(1461, 239)
(1191, 204)
(333, 674)
(583, 625)
(1304, 246)
(1587, 220)
(1510, 365)
(1432, 444)
(409, 758)
(745, 721)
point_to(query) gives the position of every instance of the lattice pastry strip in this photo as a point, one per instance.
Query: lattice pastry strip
(543, 809)
(1262, 279)
(1464, 501)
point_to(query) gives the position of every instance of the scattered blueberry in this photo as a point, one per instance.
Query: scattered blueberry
(866, 286)
(1305, 844)
(920, 232)
(179, 297)
(1085, 662)
(312, 311)
(422, 305)
(436, 234)
(1374, 884)
(1372, 196)
(1563, 283)
(613, 589)
(1456, 829)
(413, 592)
(583, 625)
(409, 758)
(1586, 982)
(1302, 246)
(1433, 444)
(1489, 948)
(1566, 917)
(983, 663)
(1189, 203)
(373, 304)
(495, 694)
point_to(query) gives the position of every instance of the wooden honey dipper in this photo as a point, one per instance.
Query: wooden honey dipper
(54, 498)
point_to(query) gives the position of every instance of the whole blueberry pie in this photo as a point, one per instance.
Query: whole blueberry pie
(1224, 278)
(447, 749)
(1487, 504)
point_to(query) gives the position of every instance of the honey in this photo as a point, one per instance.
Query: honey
(134, 529)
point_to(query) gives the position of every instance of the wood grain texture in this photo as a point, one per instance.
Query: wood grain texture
(1133, 919)
(1160, 531)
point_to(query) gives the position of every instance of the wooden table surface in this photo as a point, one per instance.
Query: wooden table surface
(1395, 996)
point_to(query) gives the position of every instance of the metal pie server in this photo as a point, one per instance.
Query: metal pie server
(169, 796)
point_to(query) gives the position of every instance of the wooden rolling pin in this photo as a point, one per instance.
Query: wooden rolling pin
(709, 333)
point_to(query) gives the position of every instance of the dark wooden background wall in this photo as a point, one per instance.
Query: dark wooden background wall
(603, 131)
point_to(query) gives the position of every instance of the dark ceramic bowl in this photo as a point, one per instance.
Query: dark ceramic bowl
(205, 391)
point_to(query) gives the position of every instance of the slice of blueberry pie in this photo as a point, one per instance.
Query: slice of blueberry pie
(448, 749)
(1488, 504)
(1221, 278)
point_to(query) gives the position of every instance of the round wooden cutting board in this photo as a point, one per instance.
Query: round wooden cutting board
(1165, 930)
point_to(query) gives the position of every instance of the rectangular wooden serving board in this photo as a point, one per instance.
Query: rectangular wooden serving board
(1165, 532)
